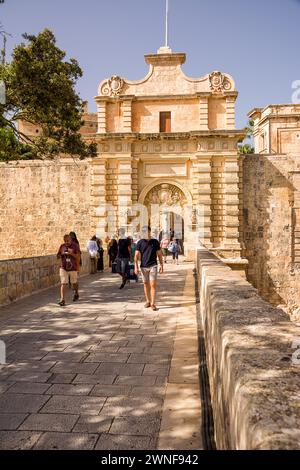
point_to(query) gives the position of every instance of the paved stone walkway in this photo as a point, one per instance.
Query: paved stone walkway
(103, 373)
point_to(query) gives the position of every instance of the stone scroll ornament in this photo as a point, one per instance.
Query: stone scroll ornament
(165, 194)
(219, 82)
(113, 86)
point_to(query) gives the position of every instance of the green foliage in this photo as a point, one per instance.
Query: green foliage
(246, 149)
(250, 128)
(12, 149)
(40, 89)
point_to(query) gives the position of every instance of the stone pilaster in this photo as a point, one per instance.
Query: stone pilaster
(101, 112)
(203, 112)
(127, 114)
(231, 204)
(98, 198)
(135, 181)
(124, 190)
(201, 168)
(230, 112)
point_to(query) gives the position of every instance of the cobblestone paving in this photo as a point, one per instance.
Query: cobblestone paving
(103, 373)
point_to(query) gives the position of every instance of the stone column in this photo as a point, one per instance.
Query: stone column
(201, 167)
(98, 198)
(230, 112)
(203, 111)
(127, 114)
(231, 205)
(101, 112)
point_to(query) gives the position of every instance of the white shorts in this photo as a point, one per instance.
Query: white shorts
(66, 275)
(149, 274)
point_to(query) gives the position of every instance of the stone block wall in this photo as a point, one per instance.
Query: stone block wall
(269, 195)
(254, 384)
(40, 202)
(20, 277)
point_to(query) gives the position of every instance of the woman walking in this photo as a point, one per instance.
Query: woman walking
(112, 251)
(92, 248)
(175, 249)
(100, 263)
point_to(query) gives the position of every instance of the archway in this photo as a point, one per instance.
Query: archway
(165, 203)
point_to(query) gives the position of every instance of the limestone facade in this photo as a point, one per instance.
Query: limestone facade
(164, 131)
(277, 129)
(271, 206)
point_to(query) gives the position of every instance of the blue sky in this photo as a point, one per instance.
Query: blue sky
(257, 41)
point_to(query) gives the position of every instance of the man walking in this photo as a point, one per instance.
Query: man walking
(124, 254)
(148, 249)
(68, 254)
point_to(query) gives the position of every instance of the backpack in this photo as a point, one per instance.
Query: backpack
(172, 247)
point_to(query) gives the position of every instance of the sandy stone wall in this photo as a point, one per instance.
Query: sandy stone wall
(39, 202)
(21, 277)
(249, 347)
(270, 241)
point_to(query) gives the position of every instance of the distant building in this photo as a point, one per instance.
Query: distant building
(277, 129)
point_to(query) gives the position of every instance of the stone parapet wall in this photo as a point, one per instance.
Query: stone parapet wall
(21, 277)
(254, 384)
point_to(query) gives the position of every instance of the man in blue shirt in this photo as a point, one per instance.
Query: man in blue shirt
(148, 249)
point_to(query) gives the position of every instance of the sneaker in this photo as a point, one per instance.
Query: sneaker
(76, 297)
(62, 303)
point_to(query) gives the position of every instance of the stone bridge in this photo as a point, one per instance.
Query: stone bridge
(214, 367)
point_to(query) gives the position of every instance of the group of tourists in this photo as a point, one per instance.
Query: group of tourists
(170, 245)
(128, 256)
(96, 252)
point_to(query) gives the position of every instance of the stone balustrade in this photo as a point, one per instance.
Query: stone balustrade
(252, 366)
(21, 277)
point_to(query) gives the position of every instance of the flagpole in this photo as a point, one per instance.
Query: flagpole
(167, 22)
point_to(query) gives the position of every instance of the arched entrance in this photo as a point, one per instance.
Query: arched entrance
(165, 204)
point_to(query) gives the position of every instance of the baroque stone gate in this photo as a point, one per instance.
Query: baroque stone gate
(170, 129)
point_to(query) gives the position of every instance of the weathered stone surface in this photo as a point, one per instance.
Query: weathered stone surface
(32, 388)
(93, 424)
(87, 398)
(24, 276)
(253, 381)
(49, 422)
(18, 440)
(136, 426)
(271, 220)
(11, 421)
(21, 403)
(66, 441)
(74, 404)
(111, 442)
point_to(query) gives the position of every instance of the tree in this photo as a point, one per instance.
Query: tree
(247, 148)
(40, 89)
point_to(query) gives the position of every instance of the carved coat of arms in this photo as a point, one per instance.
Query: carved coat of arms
(113, 86)
(219, 82)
